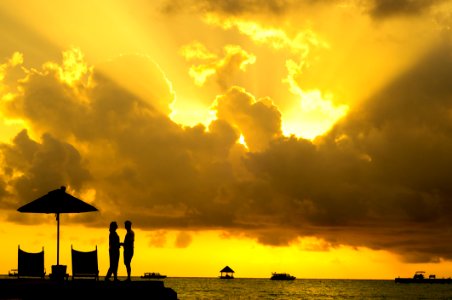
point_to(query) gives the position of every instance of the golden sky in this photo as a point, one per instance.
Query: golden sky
(310, 137)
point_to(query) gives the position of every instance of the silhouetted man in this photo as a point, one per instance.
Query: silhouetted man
(128, 247)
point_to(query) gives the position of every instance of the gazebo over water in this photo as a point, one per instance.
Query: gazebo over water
(227, 273)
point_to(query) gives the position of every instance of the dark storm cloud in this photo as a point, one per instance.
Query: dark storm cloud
(378, 9)
(232, 7)
(140, 160)
(44, 166)
(389, 8)
(380, 178)
(406, 131)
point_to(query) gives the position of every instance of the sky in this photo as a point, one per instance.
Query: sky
(300, 136)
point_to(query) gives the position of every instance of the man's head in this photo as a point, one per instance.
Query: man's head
(128, 224)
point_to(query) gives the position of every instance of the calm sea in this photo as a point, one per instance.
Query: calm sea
(191, 288)
(247, 288)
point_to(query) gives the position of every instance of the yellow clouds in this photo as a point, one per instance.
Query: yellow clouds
(9, 76)
(314, 105)
(329, 56)
(73, 67)
(16, 59)
(259, 121)
(276, 38)
(317, 111)
(54, 87)
(103, 128)
(105, 140)
(224, 68)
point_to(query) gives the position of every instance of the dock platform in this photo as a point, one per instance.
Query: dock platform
(26, 289)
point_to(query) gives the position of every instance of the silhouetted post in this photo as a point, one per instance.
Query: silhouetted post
(58, 238)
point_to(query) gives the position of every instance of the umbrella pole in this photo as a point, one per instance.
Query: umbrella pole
(58, 238)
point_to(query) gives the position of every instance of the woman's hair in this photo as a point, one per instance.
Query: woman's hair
(113, 225)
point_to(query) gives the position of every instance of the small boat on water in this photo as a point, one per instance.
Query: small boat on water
(153, 275)
(12, 273)
(282, 276)
(419, 277)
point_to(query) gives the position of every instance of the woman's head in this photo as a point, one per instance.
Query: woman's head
(113, 226)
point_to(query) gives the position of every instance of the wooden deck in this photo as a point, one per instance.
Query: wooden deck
(47, 289)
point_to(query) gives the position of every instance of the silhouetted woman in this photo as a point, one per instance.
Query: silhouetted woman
(113, 250)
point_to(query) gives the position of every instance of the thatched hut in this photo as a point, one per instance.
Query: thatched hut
(227, 273)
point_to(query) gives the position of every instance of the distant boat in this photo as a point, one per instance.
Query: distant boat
(420, 278)
(12, 272)
(282, 276)
(153, 275)
(226, 273)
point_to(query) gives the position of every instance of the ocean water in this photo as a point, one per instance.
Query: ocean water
(248, 288)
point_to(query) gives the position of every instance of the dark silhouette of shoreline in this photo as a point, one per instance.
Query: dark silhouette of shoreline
(28, 289)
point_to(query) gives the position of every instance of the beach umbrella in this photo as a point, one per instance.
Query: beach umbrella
(57, 202)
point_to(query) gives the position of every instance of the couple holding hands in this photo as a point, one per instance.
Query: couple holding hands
(115, 244)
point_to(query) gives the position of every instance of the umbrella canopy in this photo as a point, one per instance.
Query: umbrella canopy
(57, 202)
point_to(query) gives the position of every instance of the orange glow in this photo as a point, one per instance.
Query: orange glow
(241, 254)
(313, 72)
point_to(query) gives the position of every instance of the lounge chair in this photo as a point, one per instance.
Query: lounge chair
(30, 264)
(84, 264)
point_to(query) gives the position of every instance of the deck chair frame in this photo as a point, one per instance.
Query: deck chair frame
(30, 264)
(84, 264)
